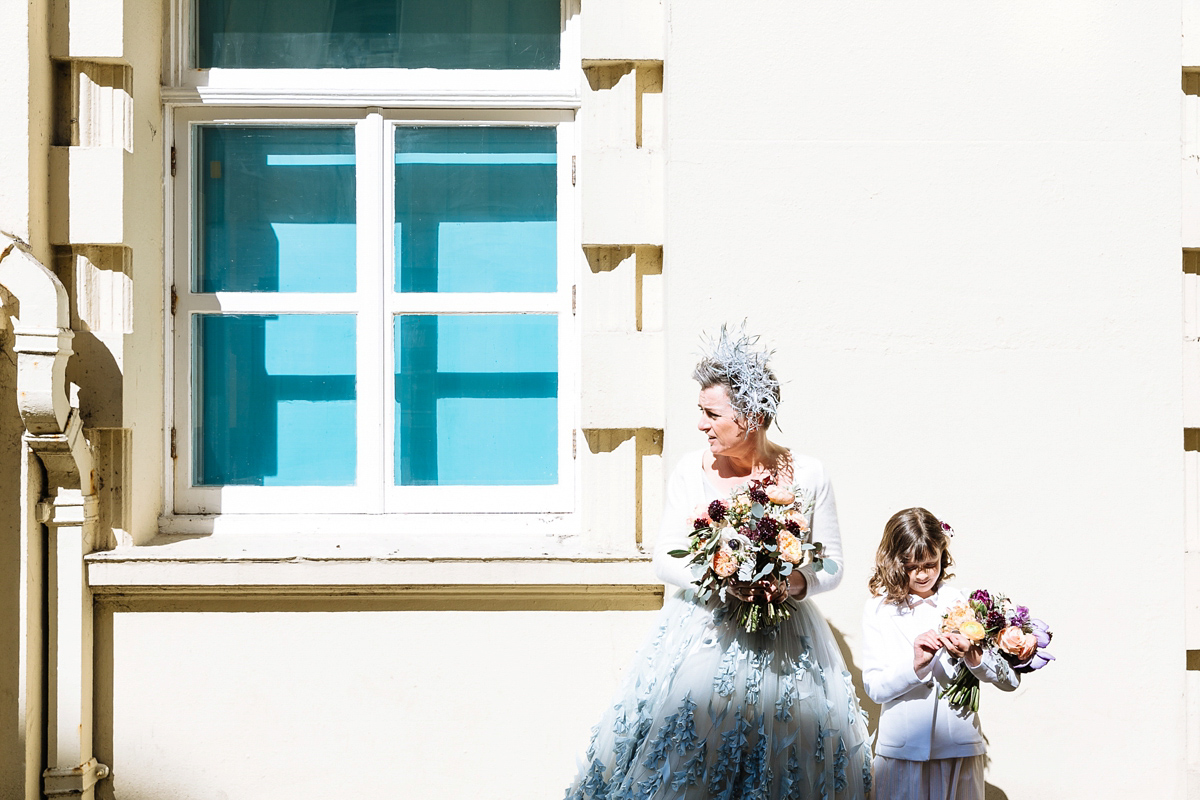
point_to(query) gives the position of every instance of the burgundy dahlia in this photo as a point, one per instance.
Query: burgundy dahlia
(716, 510)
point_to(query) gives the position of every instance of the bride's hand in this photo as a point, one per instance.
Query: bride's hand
(761, 591)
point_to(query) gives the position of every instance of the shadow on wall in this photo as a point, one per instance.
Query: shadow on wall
(871, 709)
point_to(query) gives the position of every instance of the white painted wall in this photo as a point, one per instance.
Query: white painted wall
(958, 224)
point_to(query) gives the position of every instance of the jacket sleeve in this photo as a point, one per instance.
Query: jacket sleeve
(994, 669)
(673, 533)
(887, 669)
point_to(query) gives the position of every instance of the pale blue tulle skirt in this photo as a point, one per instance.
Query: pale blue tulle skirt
(710, 712)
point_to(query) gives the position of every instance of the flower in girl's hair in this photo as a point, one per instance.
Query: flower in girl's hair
(1017, 643)
(716, 510)
(780, 495)
(790, 548)
(724, 564)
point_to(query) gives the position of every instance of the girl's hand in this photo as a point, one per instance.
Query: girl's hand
(960, 646)
(924, 647)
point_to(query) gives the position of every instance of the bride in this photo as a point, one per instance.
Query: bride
(708, 710)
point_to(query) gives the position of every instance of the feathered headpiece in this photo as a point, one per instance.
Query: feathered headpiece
(733, 358)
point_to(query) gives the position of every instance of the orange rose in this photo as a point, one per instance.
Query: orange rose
(790, 549)
(972, 630)
(780, 496)
(724, 564)
(1016, 642)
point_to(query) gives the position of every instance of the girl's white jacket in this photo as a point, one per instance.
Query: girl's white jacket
(915, 725)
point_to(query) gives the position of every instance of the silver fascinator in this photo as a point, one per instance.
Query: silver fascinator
(733, 358)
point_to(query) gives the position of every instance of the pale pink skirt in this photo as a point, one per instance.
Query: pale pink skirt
(939, 779)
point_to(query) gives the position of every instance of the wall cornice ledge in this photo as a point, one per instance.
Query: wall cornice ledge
(199, 567)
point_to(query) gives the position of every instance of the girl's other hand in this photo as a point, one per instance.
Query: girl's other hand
(924, 647)
(960, 646)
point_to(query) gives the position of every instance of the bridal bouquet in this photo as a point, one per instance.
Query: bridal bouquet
(763, 531)
(989, 619)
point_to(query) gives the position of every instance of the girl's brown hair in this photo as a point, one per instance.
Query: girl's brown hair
(910, 535)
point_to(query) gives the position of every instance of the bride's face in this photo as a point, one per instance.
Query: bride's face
(720, 423)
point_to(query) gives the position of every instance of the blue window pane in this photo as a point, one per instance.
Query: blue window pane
(276, 210)
(476, 399)
(274, 400)
(442, 34)
(476, 210)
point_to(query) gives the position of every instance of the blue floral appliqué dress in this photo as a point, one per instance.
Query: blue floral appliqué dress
(710, 712)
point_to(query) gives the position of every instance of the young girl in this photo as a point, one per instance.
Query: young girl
(925, 749)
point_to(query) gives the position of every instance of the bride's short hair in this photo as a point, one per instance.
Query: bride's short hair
(734, 361)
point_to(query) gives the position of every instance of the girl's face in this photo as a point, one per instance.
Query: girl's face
(923, 574)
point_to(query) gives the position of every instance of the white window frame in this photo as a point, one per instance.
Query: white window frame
(395, 88)
(373, 100)
(376, 305)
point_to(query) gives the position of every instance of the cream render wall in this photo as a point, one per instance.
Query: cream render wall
(958, 224)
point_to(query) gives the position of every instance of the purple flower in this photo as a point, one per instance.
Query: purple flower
(995, 621)
(716, 511)
(1042, 631)
(759, 496)
(982, 596)
(1020, 617)
(1039, 660)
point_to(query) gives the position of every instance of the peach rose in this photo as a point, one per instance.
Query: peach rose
(798, 518)
(790, 549)
(956, 618)
(1016, 642)
(972, 630)
(700, 512)
(724, 564)
(780, 496)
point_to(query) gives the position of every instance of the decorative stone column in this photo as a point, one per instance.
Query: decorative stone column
(54, 433)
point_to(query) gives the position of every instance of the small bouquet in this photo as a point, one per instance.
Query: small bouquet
(989, 619)
(762, 531)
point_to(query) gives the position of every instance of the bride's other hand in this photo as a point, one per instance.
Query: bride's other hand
(766, 590)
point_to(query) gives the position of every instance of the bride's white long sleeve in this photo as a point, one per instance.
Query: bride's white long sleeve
(825, 528)
(673, 531)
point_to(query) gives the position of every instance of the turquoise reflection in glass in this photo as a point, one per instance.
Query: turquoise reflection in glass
(476, 399)
(274, 400)
(442, 34)
(276, 210)
(476, 209)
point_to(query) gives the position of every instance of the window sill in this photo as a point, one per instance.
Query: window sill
(363, 564)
